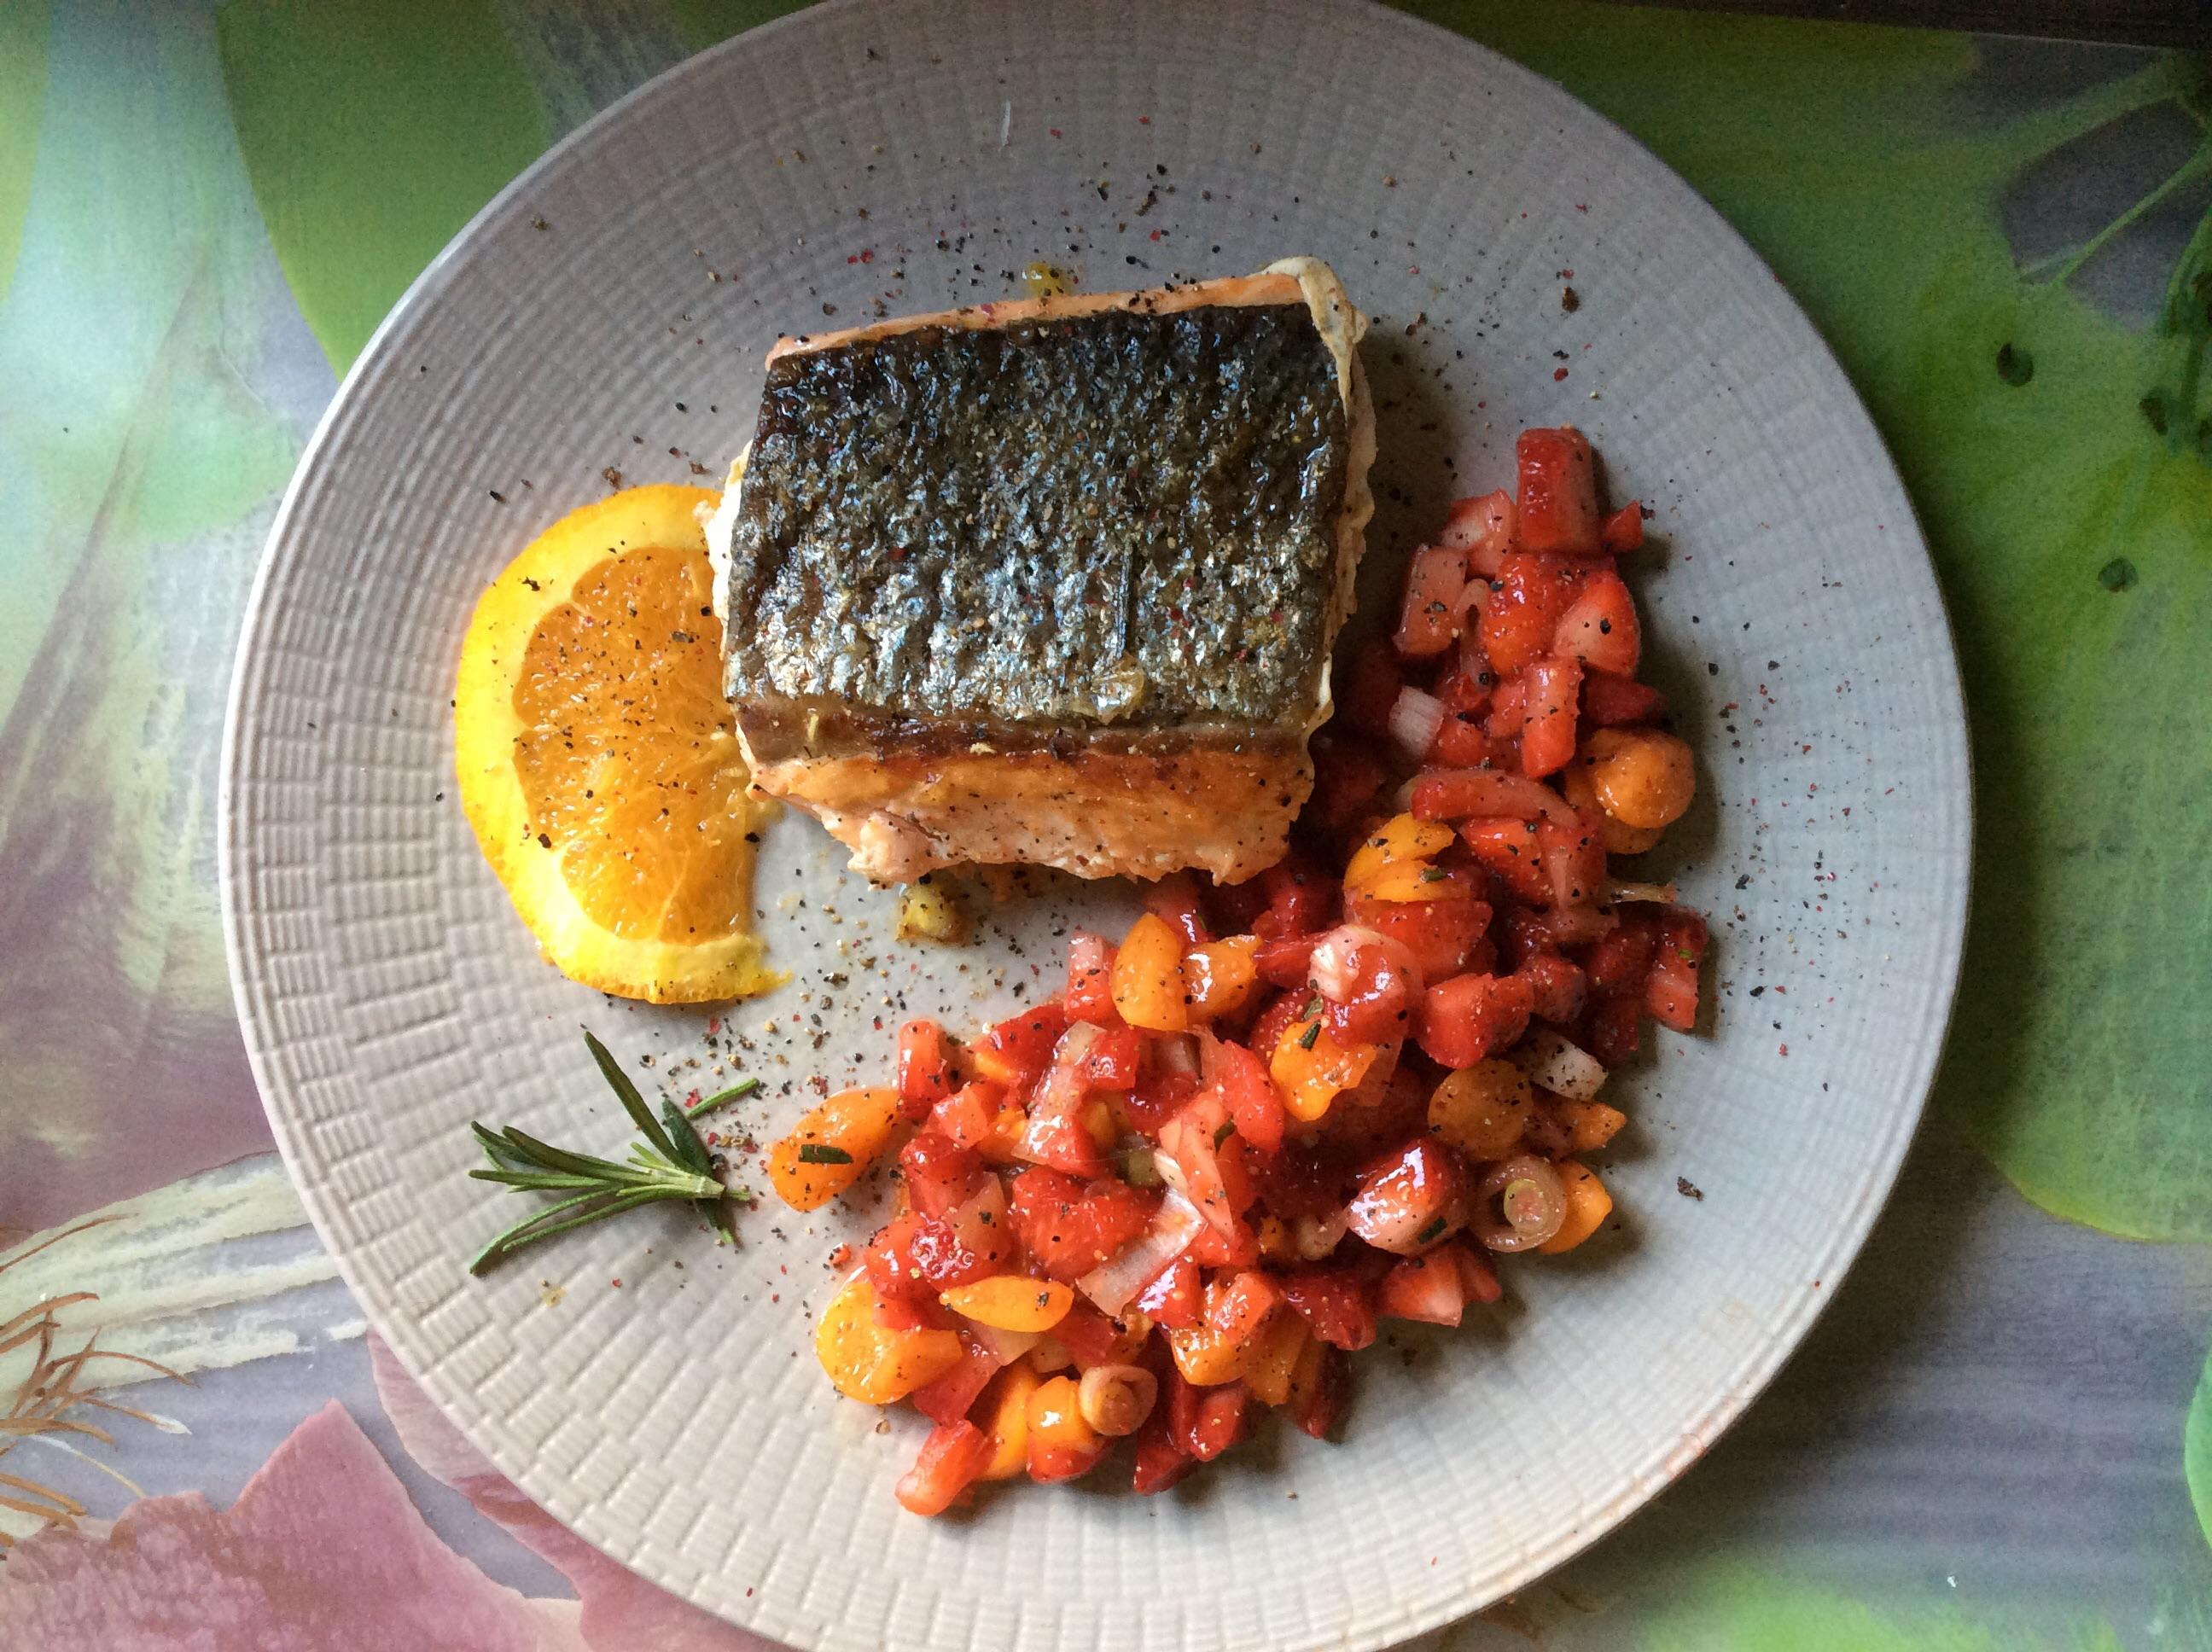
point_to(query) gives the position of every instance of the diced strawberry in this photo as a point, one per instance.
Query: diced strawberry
(1558, 985)
(1601, 625)
(1175, 899)
(1308, 1178)
(1555, 497)
(1527, 600)
(1549, 711)
(1069, 1227)
(1318, 1408)
(1477, 1277)
(1619, 962)
(1368, 984)
(1463, 742)
(1017, 1050)
(950, 1458)
(911, 1259)
(924, 1068)
(1611, 1032)
(1277, 1018)
(1173, 1300)
(1255, 1107)
(1623, 532)
(1369, 687)
(1429, 614)
(1574, 860)
(1470, 1018)
(1347, 778)
(939, 1173)
(1609, 701)
(1301, 899)
(1335, 1303)
(1441, 935)
(1504, 721)
(1466, 688)
(1510, 849)
(1161, 1460)
(1089, 980)
(1051, 1463)
(1089, 1335)
(1470, 793)
(1410, 1198)
(966, 1118)
(1160, 1093)
(1427, 1288)
(1205, 1421)
(951, 1396)
(1233, 1246)
(1114, 1059)
(1670, 991)
(1238, 1310)
(1285, 961)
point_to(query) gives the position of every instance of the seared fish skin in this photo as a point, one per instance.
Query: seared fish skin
(1052, 582)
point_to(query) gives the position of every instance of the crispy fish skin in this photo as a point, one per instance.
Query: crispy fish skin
(1052, 582)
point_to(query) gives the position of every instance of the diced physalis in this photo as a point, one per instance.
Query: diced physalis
(1205, 1357)
(927, 912)
(1311, 1069)
(1274, 1357)
(1218, 1348)
(1589, 1125)
(1588, 1206)
(1011, 1302)
(868, 1360)
(1408, 881)
(1483, 1109)
(1220, 978)
(1148, 981)
(832, 1146)
(1056, 1417)
(1006, 1404)
(1399, 841)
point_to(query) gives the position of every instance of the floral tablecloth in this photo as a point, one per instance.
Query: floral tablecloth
(1999, 1437)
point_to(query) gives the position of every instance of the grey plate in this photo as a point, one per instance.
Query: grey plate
(615, 303)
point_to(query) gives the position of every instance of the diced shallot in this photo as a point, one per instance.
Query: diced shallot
(1176, 1053)
(1005, 1346)
(1116, 1280)
(1415, 717)
(1564, 1068)
(1620, 890)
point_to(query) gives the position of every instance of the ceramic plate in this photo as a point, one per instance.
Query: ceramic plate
(608, 313)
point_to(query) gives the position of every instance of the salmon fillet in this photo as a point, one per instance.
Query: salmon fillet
(1054, 582)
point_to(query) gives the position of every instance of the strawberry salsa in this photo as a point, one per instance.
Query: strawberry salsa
(1280, 1113)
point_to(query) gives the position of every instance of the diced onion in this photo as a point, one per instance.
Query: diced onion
(1553, 1063)
(1005, 1346)
(1618, 891)
(1314, 1237)
(1114, 1282)
(1176, 1053)
(1331, 967)
(1519, 1205)
(1415, 717)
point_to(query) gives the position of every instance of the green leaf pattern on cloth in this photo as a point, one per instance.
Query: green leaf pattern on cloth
(438, 113)
(22, 101)
(1871, 179)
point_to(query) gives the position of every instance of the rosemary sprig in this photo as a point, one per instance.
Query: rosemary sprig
(670, 1162)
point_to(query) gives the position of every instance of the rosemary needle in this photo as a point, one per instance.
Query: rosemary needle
(671, 1162)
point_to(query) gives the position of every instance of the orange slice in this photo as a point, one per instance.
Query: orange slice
(596, 758)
